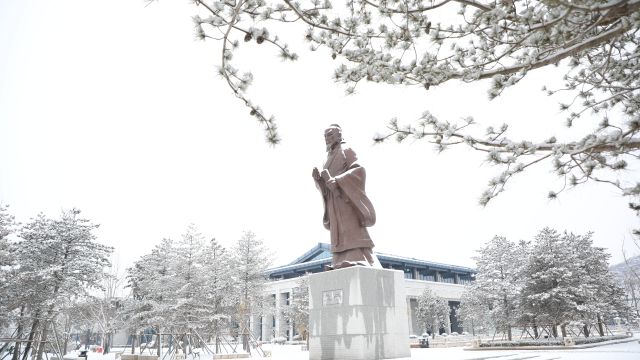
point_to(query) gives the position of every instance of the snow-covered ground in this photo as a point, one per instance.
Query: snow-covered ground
(625, 351)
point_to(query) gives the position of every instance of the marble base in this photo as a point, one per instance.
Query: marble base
(358, 313)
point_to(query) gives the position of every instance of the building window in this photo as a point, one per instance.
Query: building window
(426, 275)
(464, 279)
(408, 273)
(447, 278)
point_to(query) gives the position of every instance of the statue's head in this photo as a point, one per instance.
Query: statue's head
(332, 136)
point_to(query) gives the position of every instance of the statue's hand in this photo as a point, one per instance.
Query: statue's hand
(315, 174)
(332, 184)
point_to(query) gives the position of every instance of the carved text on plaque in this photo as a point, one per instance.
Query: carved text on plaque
(332, 297)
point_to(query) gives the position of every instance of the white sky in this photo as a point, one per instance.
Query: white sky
(114, 108)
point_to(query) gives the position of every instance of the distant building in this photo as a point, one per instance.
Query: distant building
(444, 280)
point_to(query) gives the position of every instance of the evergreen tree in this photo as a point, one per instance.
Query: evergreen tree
(7, 227)
(475, 314)
(568, 279)
(182, 286)
(499, 280)
(298, 310)
(59, 260)
(250, 261)
(551, 294)
(151, 292)
(432, 312)
(218, 286)
(7, 260)
(628, 274)
(187, 285)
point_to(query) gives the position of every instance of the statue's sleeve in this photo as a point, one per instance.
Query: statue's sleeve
(352, 185)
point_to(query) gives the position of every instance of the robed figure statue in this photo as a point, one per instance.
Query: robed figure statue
(347, 209)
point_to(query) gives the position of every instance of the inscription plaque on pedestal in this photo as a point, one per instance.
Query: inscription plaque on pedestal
(332, 297)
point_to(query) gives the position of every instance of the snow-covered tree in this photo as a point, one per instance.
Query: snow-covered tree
(250, 260)
(551, 294)
(498, 281)
(475, 314)
(7, 260)
(568, 279)
(7, 226)
(628, 274)
(181, 286)
(427, 43)
(218, 286)
(297, 312)
(101, 311)
(186, 286)
(9, 293)
(59, 259)
(151, 301)
(432, 311)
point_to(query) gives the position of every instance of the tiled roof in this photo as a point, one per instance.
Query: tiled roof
(320, 255)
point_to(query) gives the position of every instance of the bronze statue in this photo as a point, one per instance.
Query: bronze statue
(347, 209)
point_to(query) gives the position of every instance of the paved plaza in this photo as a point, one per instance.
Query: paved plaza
(625, 351)
(621, 351)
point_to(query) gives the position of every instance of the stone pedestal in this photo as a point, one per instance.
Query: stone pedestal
(358, 313)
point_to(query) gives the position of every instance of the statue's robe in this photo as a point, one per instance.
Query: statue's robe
(348, 211)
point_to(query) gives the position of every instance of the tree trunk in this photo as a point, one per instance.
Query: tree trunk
(306, 334)
(158, 336)
(215, 334)
(16, 348)
(507, 314)
(65, 345)
(473, 330)
(133, 344)
(563, 329)
(554, 330)
(585, 329)
(535, 330)
(600, 327)
(43, 339)
(107, 343)
(32, 334)
(634, 300)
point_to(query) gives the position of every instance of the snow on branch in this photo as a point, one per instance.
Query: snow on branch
(594, 157)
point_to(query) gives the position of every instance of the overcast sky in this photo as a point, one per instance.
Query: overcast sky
(114, 108)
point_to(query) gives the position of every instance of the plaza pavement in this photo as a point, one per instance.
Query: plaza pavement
(624, 351)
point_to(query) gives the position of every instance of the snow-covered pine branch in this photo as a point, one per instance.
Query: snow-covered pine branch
(426, 43)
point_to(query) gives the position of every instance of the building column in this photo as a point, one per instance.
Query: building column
(266, 320)
(447, 323)
(252, 321)
(456, 278)
(415, 273)
(410, 316)
(437, 276)
(277, 314)
(290, 331)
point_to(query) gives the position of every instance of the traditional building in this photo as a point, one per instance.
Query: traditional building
(446, 281)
